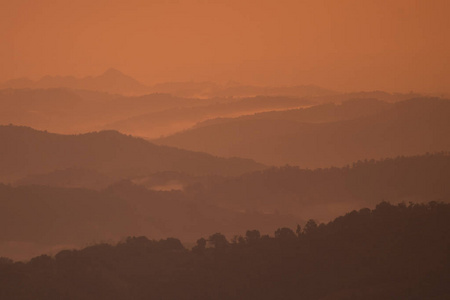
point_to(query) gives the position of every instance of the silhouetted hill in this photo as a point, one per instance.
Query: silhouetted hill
(111, 81)
(391, 252)
(325, 193)
(409, 127)
(39, 218)
(155, 124)
(26, 151)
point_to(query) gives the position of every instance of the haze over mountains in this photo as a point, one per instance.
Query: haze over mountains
(69, 105)
(65, 110)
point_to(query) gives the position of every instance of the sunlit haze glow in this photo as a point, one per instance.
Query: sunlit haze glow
(346, 45)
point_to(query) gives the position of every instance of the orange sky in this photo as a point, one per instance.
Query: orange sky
(394, 45)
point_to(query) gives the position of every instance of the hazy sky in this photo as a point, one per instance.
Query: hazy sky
(394, 45)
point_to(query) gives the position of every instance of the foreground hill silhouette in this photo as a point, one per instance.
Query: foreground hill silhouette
(27, 151)
(408, 127)
(391, 252)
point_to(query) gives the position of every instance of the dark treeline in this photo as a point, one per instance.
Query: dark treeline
(391, 252)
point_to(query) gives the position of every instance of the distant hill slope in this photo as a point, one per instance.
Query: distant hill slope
(325, 193)
(409, 127)
(25, 151)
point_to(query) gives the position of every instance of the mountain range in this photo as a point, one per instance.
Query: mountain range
(115, 82)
